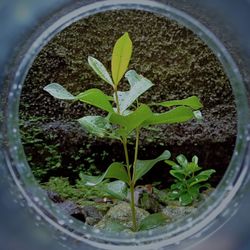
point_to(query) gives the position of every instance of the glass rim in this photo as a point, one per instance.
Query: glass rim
(175, 232)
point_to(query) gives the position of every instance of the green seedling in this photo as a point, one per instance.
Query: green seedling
(126, 116)
(189, 179)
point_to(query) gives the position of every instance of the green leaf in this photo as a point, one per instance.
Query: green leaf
(116, 170)
(185, 199)
(195, 159)
(138, 85)
(194, 192)
(172, 164)
(178, 174)
(58, 91)
(98, 126)
(198, 115)
(117, 189)
(131, 121)
(175, 194)
(143, 166)
(100, 70)
(178, 185)
(96, 98)
(114, 226)
(192, 102)
(120, 57)
(182, 160)
(202, 176)
(153, 221)
(177, 115)
(192, 168)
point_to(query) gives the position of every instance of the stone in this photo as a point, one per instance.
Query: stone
(176, 212)
(93, 215)
(121, 214)
(149, 203)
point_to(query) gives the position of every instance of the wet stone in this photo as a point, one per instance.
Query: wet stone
(121, 214)
(176, 212)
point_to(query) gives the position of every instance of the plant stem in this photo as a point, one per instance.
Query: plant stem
(125, 147)
(132, 203)
(117, 100)
(131, 185)
(136, 152)
(131, 178)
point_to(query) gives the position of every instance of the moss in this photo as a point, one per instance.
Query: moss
(78, 193)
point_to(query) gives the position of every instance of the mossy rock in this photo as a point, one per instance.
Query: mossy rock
(121, 214)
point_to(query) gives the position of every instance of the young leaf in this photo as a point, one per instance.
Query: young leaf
(153, 221)
(120, 57)
(202, 176)
(175, 194)
(195, 159)
(176, 115)
(194, 191)
(171, 163)
(138, 85)
(100, 70)
(192, 102)
(143, 166)
(178, 186)
(117, 189)
(114, 226)
(96, 98)
(131, 121)
(198, 115)
(116, 170)
(185, 199)
(98, 126)
(58, 91)
(182, 160)
(178, 174)
(192, 168)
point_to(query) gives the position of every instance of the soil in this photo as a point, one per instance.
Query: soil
(170, 55)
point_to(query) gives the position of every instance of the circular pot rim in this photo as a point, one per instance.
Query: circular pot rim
(184, 229)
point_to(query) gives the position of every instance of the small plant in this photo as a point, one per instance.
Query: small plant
(126, 116)
(189, 179)
(42, 157)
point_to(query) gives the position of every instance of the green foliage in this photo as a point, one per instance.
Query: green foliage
(42, 156)
(189, 179)
(192, 102)
(117, 189)
(116, 170)
(153, 221)
(59, 91)
(100, 70)
(138, 85)
(98, 125)
(120, 57)
(125, 115)
(142, 167)
(77, 192)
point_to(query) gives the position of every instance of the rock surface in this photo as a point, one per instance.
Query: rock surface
(121, 214)
(176, 212)
(89, 214)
